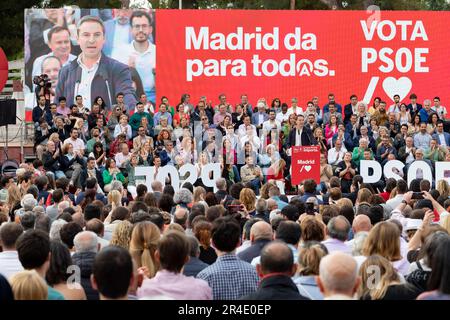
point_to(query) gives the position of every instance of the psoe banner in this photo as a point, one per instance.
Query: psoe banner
(305, 164)
(285, 54)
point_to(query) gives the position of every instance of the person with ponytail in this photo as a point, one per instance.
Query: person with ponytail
(143, 244)
(202, 231)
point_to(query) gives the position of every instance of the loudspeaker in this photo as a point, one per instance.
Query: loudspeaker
(8, 110)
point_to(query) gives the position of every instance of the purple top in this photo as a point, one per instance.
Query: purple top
(176, 286)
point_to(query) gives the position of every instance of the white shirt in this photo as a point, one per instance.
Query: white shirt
(260, 118)
(297, 110)
(410, 157)
(145, 62)
(78, 145)
(103, 242)
(394, 109)
(118, 129)
(121, 38)
(332, 154)
(242, 131)
(282, 117)
(298, 137)
(441, 111)
(269, 124)
(84, 87)
(9, 263)
(254, 141)
(120, 158)
(394, 202)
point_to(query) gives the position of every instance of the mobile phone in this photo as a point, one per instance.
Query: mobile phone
(417, 195)
(233, 208)
(309, 208)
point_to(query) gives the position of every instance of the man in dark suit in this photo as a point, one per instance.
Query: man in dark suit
(194, 265)
(93, 74)
(413, 107)
(222, 195)
(260, 234)
(350, 108)
(259, 117)
(300, 135)
(90, 171)
(276, 269)
(442, 137)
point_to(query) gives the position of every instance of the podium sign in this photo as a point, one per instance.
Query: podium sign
(305, 164)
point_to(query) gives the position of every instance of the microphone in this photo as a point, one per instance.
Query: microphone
(104, 74)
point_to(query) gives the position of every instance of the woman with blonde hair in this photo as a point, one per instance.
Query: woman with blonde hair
(121, 236)
(443, 188)
(13, 200)
(28, 285)
(344, 202)
(276, 170)
(143, 245)
(364, 195)
(114, 199)
(384, 240)
(309, 255)
(247, 198)
(199, 196)
(202, 231)
(386, 285)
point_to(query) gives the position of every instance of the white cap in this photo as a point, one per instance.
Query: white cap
(413, 224)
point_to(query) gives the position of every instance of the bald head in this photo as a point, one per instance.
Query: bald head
(276, 257)
(261, 230)
(361, 223)
(338, 275)
(86, 241)
(180, 217)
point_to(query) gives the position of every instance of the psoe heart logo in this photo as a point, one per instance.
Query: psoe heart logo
(306, 168)
(401, 86)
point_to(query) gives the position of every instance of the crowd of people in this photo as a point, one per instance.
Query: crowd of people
(77, 223)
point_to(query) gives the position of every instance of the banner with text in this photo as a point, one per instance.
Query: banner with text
(305, 164)
(302, 54)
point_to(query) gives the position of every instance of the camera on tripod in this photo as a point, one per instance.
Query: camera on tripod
(37, 80)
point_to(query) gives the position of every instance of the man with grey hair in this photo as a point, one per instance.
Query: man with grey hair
(261, 233)
(222, 194)
(56, 228)
(86, 248)
(337, 230)
(27, 220)
(261, 210)
(157, 188)
(183, 197)
(194, 265)
(338, 278)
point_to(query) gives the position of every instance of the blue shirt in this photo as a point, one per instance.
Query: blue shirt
(230, 278)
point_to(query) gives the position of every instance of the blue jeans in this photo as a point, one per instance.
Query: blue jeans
(57, 174)
(256, 184)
